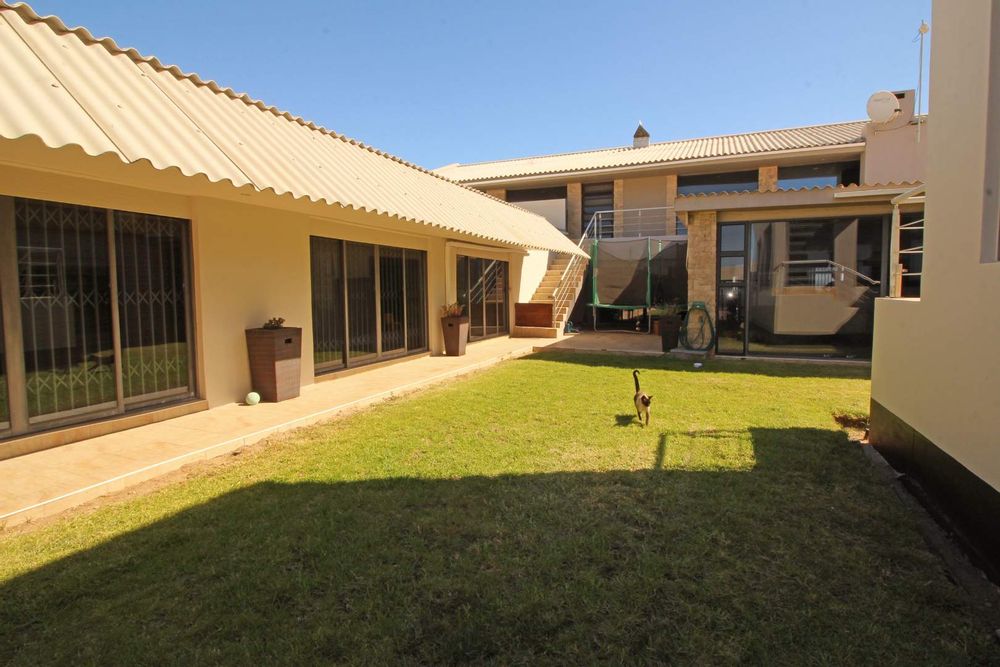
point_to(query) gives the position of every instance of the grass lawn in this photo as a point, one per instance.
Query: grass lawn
(518, 516)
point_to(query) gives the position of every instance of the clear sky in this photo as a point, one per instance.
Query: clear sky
(438, 82)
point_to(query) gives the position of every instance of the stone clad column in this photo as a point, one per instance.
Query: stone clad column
(767, 178)
(671, 226)
(701, 260)
(574, 210)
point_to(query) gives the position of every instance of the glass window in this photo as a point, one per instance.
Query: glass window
(361, 334)
(818, 175)
(327, 261)
(731, 237)
(105, 315)
(152, 305)
(383, 318)
(811, 286)
(598, 197)
(482, 291)
(66, 325)
(709, 183)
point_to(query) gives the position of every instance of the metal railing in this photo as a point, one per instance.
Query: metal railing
(635, 222)
(818, 273)
(896, 269)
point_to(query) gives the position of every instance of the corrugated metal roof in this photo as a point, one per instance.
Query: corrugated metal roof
(68, 88)
(732, 145)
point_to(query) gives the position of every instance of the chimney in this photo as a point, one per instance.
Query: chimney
(641, 137)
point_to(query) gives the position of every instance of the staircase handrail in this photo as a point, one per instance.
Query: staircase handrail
(562, 288)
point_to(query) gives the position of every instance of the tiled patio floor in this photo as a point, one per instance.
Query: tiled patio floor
(47, 482)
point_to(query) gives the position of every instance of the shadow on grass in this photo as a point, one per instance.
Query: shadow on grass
(628, 419)
(771, 368)
(573, 567)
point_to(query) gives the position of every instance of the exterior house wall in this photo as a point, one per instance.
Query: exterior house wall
(936, 370)
(647, 192)
(251, 262)
(895, 156)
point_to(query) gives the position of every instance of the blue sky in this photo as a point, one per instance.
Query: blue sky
(440, 82)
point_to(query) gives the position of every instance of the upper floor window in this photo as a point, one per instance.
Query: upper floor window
(740, 181)
(819, 175)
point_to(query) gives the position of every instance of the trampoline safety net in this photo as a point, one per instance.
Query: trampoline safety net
(629, 274)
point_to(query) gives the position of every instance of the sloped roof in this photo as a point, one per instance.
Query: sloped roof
(69, 88)
(729, 145)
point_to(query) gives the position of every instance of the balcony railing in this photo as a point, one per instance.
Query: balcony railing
(897, 270)
(636, 222)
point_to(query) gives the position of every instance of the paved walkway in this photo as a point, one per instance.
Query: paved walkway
(47, 482)
(610, 341)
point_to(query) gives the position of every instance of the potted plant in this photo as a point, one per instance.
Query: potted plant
(275, 353)
(455, 327)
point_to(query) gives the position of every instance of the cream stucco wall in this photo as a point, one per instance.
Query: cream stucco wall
(647, 192)
(250, 252)
(896, 156)
(935, 360)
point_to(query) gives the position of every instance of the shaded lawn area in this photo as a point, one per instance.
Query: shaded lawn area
(517, 516)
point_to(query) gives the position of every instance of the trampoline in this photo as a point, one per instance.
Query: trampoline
(631, 275)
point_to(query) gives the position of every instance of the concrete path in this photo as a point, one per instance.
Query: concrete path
(622, 342)
(47, 482)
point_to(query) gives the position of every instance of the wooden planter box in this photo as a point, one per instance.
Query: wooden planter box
(533, 314)
(275, 362)
(456, 334)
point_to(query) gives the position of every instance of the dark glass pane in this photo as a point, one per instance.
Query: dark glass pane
(477, 298)
(812, 286)
(462, 280)
(731, 238)
(152, 303)
(361, 300)
(731, 319)
(485, 290)
(818, 175)
(65, 295)
(730, 270)
(599, 197)
(708, 183)
(391, 298)
(327, 265)
(416, 299)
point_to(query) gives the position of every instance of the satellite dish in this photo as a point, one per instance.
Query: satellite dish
(883, 106)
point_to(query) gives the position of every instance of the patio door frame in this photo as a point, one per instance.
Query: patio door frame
(20, 421)
(347, 361)
(746, 255)
(503, 330)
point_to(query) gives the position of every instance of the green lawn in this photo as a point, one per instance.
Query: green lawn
(520, 516)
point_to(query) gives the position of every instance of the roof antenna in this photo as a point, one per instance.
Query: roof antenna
(921, 33)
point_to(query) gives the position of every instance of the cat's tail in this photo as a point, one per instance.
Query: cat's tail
(635, 376)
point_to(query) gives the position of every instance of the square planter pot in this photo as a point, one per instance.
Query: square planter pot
(275, 362)
(456, 333)
(670, 328)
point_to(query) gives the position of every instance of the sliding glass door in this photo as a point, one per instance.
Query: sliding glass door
(95, 312)
(482, 291)
(152, 306)
(369, 302)
(800, 287)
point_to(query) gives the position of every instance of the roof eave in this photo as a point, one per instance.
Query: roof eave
(840, 150)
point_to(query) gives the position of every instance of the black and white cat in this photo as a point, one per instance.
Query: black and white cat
(642, 400)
